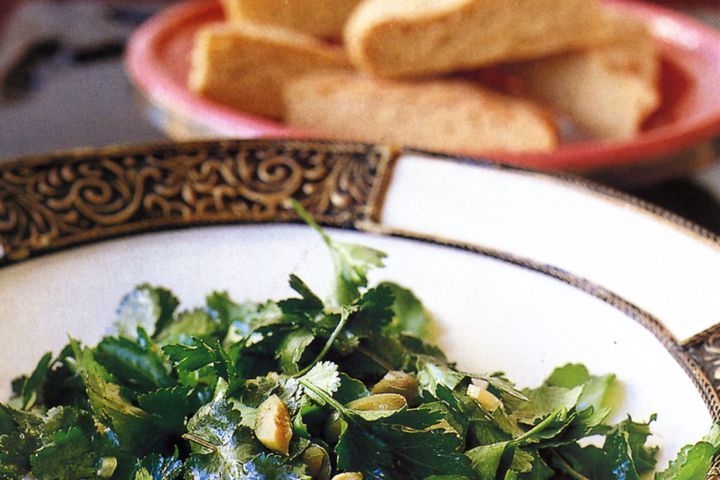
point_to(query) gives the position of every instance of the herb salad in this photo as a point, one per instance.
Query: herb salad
(346, 388)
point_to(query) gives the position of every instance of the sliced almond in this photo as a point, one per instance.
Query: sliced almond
(487, 400)
(272, 426)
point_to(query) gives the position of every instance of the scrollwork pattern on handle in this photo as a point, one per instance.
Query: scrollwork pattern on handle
(706, 352)
(63, 200)
(714, 473)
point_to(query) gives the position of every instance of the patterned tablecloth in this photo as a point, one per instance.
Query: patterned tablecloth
(71, 89)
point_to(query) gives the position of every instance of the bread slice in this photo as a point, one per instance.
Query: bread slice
(396, 38)
(608, 91)
(442, 115)
(324, 18)
(244, 65)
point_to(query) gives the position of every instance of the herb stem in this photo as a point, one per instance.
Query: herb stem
(375, 358)
(344, 316)
(327, 398)
(568, 468)
(541, 426)
(307, 218)
(200, 441)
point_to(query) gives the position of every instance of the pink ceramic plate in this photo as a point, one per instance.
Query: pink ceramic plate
(158, 63)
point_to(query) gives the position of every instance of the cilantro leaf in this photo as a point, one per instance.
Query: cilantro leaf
(308, 305)
(505, 456)
(136, 363)
(502, 385)
(540, 470)
(13, 420)
(459, 410)
(240, 319)
(596, 389)
(596, 392)
(484, 431)
(581, 462)
(522, 461)
(220, 444)
(32, 387)
(292, 348)
(618, 454)
(570, 375)
(73, 447)
(272, 467)
(409, 314)
(581, 424)
(200, 354)
(197, 355)
(352, 262)
(431, 365)
(70, 455)
(19, 438)
(198, 323)
(713, 436)
(146, 306)
(62, 385)
(447, 477)
(644, 457)
(226, 309)
(158, 467)
(324, 375)
(624, 446)
(132, 425)
(486, 459)
(418, 346)
(349, 389)
(402, 441)
(694, 461)
(371, 312)
(374, 357)
(258, 389)
(168, 407)
(550, 427)
(330, 342)
(142, 473)
(543, 401)
(408, 441)
(432, 374)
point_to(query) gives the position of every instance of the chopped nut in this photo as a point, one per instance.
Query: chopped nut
(479, 382)
(474, 390)
(107, 467)
(379, 401)
(348, 476)
(318, 462)
(272, 426)
(398, 382)
(333, 428)
(487, 400)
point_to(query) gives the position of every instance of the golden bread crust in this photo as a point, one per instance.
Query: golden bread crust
(405, 38)
(244, 65)
(324, 18)
(608, 91)
(443, 115)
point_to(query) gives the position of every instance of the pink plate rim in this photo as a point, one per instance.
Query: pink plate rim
(144, 68)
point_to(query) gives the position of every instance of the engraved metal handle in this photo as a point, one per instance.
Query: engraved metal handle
(705, 350)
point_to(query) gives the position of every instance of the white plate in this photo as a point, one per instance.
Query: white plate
(474, 241)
